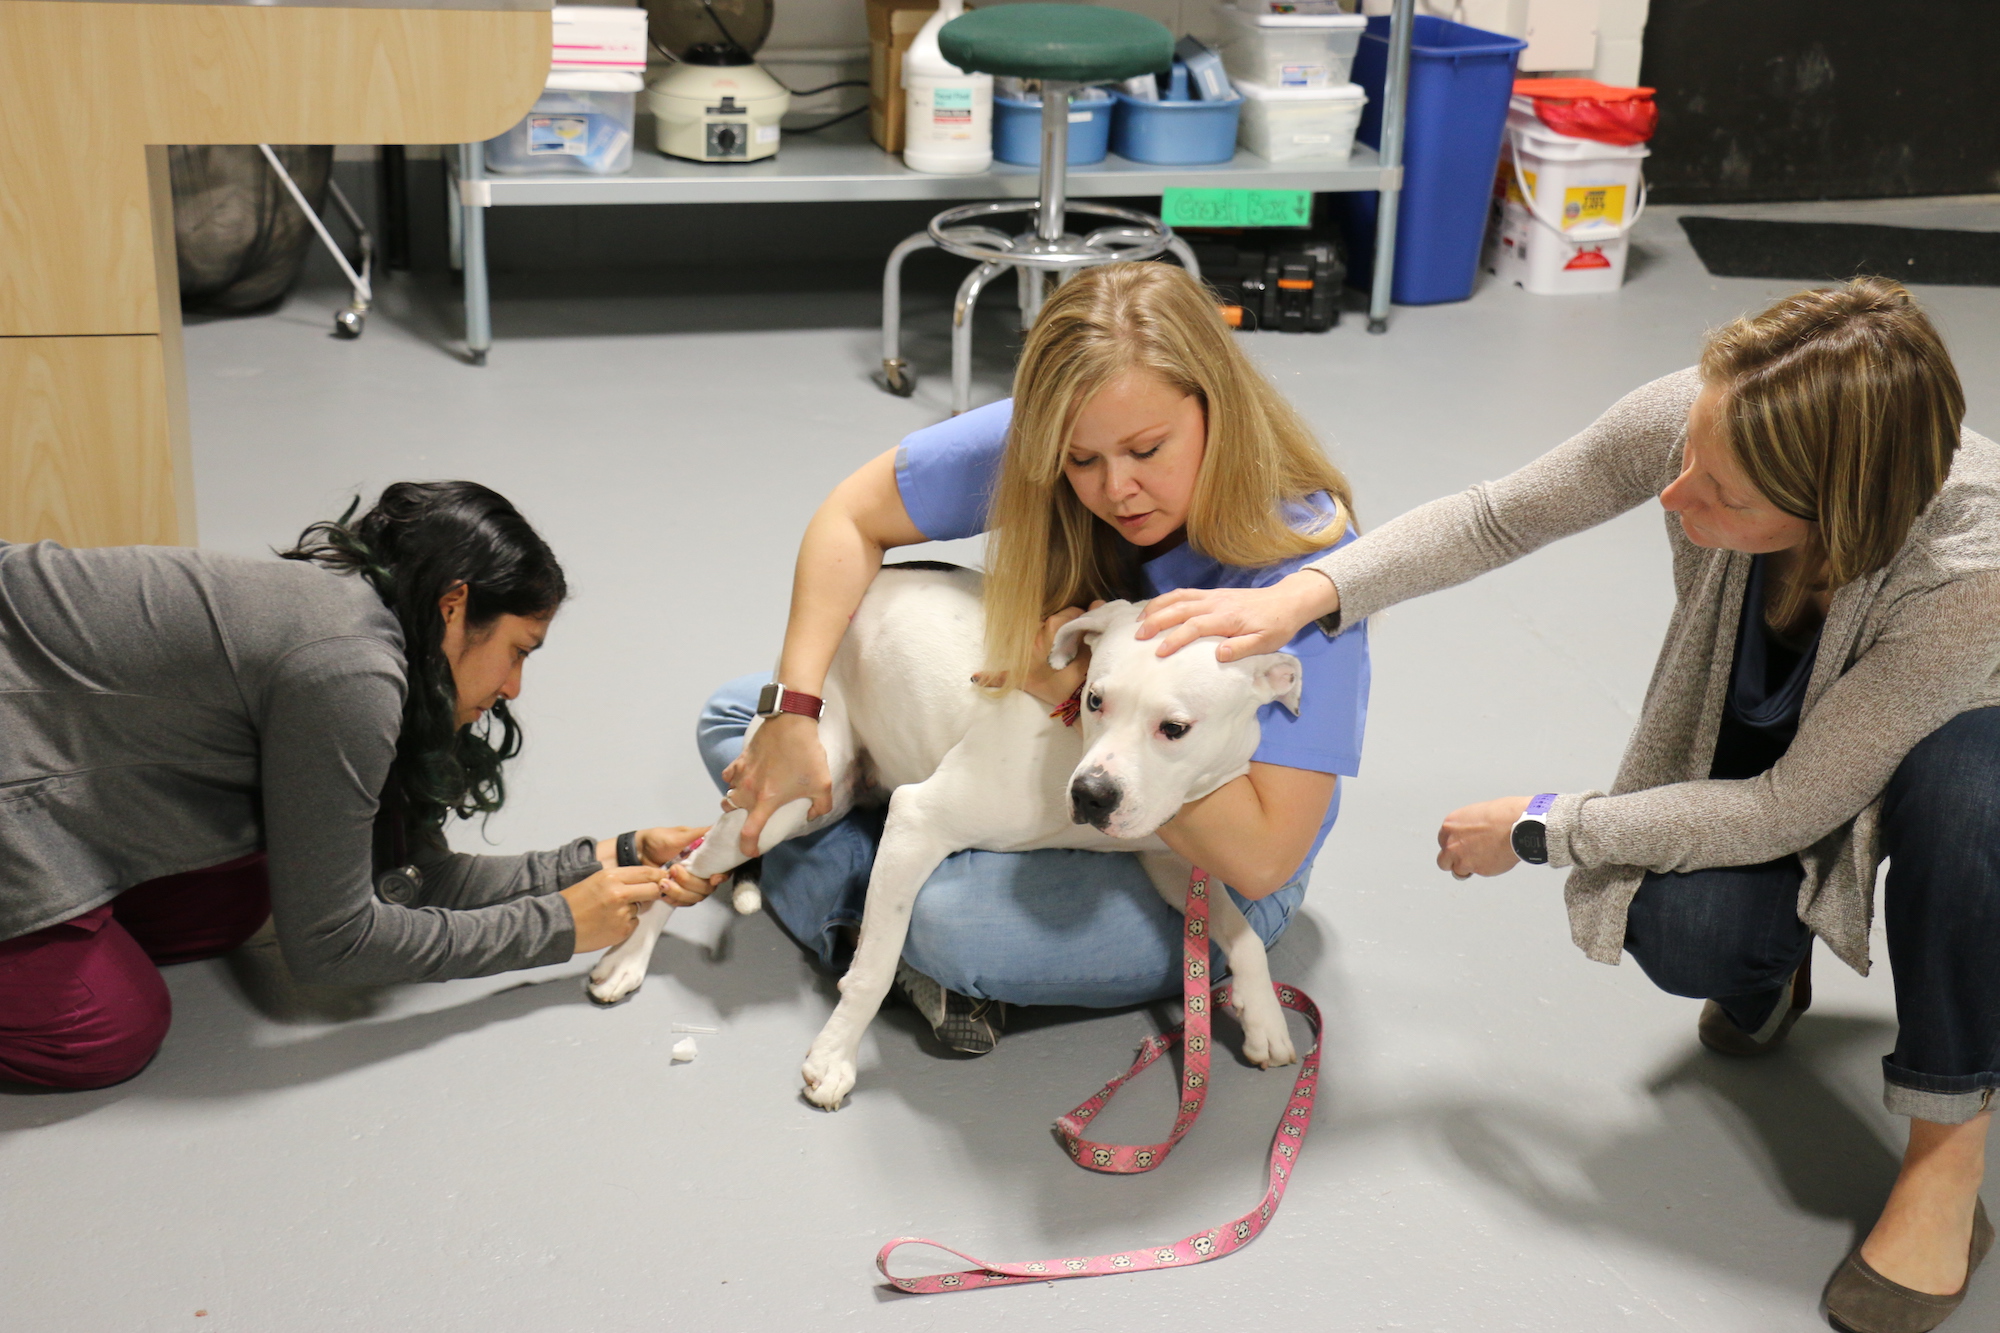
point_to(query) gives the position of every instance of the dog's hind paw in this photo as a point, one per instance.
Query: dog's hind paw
(828, 1079)
(746, 897)
(614, 980)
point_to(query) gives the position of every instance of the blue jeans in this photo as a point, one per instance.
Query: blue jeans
(1045, 927)
(1732, 934)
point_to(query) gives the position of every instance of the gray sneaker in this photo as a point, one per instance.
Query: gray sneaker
(966, 1025)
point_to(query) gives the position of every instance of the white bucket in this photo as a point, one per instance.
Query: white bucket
(1566, 208)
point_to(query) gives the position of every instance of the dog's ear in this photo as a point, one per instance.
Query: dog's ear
(1080, 633)
(1279, 679)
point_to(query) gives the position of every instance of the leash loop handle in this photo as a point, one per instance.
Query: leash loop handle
(1199, 1001)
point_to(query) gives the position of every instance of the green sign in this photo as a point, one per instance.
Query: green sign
(1236, 208)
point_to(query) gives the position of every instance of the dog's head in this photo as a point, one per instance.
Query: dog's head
(1159, 732)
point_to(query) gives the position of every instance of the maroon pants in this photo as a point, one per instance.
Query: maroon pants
(82, 1003)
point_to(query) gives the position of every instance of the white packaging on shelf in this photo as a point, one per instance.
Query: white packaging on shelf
(1566, 208)
(1290, 50)
(581, 123)
(1299, 124)
(598, 37)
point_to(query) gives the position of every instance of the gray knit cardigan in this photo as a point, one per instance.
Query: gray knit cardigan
(1904, 650)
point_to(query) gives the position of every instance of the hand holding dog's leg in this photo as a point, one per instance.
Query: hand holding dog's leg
(623, 970)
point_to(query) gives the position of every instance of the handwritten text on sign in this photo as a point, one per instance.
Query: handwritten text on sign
(1236, 208)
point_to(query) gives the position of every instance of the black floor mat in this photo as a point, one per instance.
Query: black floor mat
(1834, 251)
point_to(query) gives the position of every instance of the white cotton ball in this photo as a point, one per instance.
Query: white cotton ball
(685, 1049)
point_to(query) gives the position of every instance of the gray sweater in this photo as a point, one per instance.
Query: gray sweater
(162, 710)
(1904, 650)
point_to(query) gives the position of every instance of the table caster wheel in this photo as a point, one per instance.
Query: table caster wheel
(897, 379)
(478, 356)
(347, 324)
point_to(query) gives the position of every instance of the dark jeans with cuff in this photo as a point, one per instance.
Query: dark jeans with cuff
(1732, 934)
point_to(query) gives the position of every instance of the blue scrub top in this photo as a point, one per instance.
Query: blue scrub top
(947, 474)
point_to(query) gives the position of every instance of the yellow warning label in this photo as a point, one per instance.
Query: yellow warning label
(1585, 204)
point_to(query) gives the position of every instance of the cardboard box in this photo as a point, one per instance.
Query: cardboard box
(892, 26)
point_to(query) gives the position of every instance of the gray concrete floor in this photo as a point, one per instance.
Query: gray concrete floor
(1511, 1137)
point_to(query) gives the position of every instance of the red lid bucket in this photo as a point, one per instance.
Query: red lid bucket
(1587, 109)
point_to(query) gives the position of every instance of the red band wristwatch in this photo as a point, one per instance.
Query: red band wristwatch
(777, 699)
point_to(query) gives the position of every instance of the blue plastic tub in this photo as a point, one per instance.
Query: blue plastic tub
(1460, 80)
(1017, 128)
(1175, 133)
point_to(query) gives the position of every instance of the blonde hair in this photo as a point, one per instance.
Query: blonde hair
(1046, 551)
(1843, 408)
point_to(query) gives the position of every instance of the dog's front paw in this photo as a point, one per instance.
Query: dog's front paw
(615, 978)
(1267, 1042)
(829, 1077)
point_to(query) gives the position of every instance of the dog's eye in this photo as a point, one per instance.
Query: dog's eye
(1173, 731)
(1094, 702)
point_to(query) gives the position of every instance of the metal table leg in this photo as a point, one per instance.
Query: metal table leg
(1395, 98)
(472, 226)
(455, 217)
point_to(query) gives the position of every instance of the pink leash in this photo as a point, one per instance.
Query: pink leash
(1125, 1159)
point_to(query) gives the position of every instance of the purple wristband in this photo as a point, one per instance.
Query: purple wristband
(1540, 806)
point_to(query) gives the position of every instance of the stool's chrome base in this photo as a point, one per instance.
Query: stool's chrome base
(1136, 236)
(1040, 255)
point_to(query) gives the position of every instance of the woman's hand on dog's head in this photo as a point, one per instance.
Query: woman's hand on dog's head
(1249, 620)
(1051, 685)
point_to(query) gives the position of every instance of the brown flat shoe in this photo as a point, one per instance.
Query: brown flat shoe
(1860, 1300)
(1720, 1034)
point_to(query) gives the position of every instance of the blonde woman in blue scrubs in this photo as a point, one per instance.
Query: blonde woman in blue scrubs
(1141, 452)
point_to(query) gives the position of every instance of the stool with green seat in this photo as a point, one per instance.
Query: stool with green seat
(1067, 47)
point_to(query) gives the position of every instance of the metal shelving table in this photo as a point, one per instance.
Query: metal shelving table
(841, 164)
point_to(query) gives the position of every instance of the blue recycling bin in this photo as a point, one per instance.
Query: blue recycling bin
(1460, 80)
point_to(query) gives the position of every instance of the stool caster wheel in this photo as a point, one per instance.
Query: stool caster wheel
(897, 379)
(1378, 326)
(477, 355)
(347, 324)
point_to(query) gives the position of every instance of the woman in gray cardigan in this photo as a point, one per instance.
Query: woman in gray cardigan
(196, 742)
(1828, 695)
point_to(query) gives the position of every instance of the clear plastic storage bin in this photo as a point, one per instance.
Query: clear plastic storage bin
(1289, 50)
(581, 123)
(1299, 124)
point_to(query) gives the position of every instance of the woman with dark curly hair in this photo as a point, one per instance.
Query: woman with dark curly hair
(196, 742)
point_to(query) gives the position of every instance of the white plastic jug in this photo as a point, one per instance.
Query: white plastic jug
(949, 129)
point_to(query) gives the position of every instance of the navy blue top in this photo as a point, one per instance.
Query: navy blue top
(947, 474)
(1767, 689)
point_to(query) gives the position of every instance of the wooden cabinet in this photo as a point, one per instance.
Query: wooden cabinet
(94, 445)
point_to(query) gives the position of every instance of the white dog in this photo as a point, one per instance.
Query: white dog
(966, 769)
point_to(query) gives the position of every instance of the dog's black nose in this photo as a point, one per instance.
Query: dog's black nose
(1092, 798)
